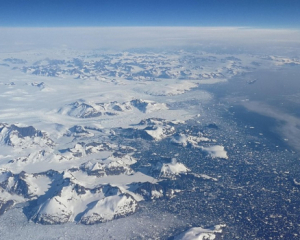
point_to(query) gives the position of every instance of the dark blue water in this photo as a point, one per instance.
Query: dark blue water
(275, 90)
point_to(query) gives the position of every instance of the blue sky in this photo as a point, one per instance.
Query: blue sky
(56, 13)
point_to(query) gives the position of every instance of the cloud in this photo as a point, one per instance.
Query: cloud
(16, 39)
(288, 125)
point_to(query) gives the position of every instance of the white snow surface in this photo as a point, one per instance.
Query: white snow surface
(109, 207)
(216, 151)
(184, 140)
(94, 109)
(173, 168)
(74, 199)
(198, 233)
(173, 88)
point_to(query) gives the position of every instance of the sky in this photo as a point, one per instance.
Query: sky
(102, 13)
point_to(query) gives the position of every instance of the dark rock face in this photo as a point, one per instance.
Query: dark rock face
(81, 148)
(77, 131)
(151, 121)
(87, 111)
(5, 205)
(101, 169)
(133, 133)
(27, 131)
(115, 170)
(139, 104)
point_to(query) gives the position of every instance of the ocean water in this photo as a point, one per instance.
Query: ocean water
(265, 100)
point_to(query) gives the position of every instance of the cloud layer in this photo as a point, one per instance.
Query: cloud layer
(16, 39)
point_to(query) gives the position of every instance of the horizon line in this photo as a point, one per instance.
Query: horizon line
(153, 26)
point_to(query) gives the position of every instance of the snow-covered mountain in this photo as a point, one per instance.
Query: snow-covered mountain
(77, 203)
(23, 136)
(90, 110)
(72, 147)
(199, 233)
